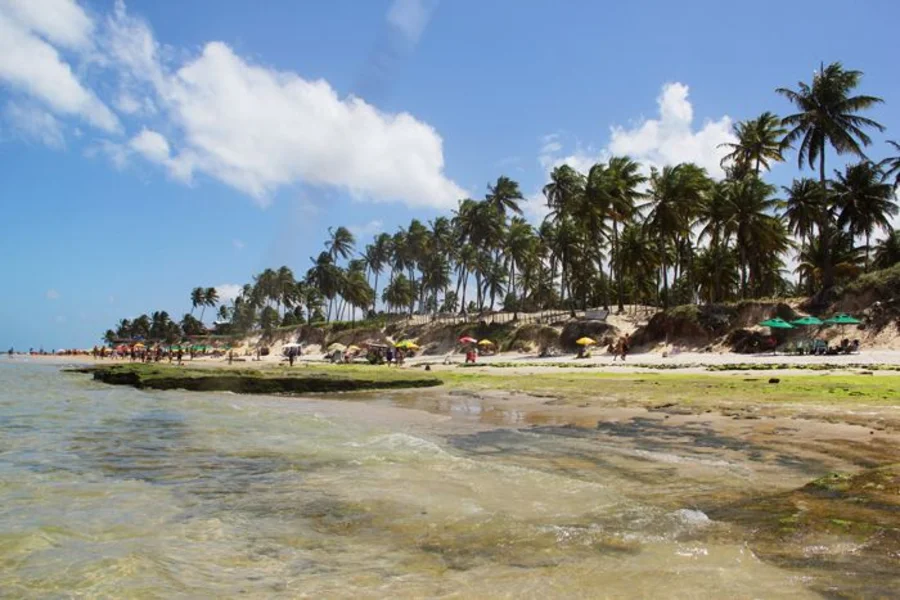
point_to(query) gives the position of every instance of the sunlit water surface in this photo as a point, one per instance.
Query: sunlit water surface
(116, 492)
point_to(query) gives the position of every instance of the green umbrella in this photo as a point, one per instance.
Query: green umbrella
(776, 323)
(843, 319)
(808, 320)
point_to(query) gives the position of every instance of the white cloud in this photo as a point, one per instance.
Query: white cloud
(116, 153)
(238, 244)
(411, 17)
(62, 22)
(253, 127)
(52, 295)
(32, 65)
(258, 129)
(670, 139)
(371, 228)
(34, 124)
(228, 291)
(152, 145)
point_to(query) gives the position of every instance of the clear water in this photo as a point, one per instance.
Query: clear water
(115, 492)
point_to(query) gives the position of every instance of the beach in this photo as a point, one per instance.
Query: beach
(560, 482)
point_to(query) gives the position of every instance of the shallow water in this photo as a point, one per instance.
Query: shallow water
(116, 492)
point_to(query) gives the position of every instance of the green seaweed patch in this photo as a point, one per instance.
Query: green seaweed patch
(260, 381)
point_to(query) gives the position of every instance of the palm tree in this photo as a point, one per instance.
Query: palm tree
(356, 290)
(749, 209)
(676, 194)
(519, 244)
(210, 298)
(399, 293)
(864, 200)
(435, 275)
(623, 181)
(505, 195)
(828, 115)
(640, 260)
(887, 252)
(803, 207)
(340, 243)
(285, 288)
(759, 141)
(326, 277)
(197, 298)
(891, 166)
(377, 255)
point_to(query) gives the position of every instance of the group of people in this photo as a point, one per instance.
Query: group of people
(620, 347)
(139, 353)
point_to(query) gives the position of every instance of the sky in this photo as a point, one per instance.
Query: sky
(150, 146)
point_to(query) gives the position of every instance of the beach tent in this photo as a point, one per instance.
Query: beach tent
(586, 341)
(776, 323)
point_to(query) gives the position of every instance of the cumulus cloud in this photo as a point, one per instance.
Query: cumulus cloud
(254, 127)
(668, 139)
(34, 124)
(152, 145)
(258, 129)
(228, 291)
(671, 138)
(371, 228)
(33, 66)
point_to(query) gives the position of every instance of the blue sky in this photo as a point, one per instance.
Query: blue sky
(147, 147)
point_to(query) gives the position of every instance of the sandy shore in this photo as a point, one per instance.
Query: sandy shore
(683, 362)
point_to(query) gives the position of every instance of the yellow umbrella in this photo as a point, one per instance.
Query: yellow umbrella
(139, 345)
(485, 343)
(585, 341)
(353, 348)
(406, 344)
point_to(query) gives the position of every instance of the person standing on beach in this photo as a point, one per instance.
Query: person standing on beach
(626, 342)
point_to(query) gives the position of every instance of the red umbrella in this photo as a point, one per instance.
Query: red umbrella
(467, 340)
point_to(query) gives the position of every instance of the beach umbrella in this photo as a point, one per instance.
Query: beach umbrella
(807, 321)
(776, 323)
(467, 340)
(585, 341)
(336, 346)
(843, 319)
(139, 345)
(406, 344)
(485, 342)
(352, 348)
